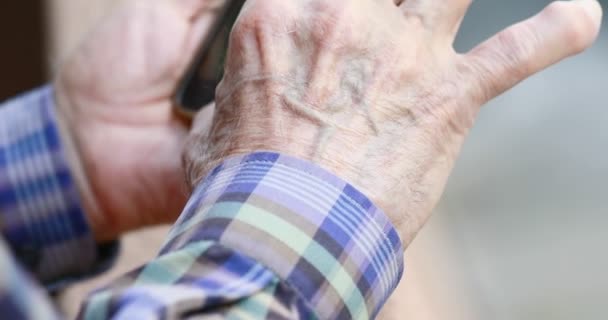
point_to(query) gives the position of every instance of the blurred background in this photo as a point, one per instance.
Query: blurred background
(522, 231)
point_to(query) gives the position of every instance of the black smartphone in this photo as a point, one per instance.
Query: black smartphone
(197, 88)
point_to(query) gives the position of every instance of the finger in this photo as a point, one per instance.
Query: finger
(562, 29)
(194, 8)
(198, 29)
(442, 16)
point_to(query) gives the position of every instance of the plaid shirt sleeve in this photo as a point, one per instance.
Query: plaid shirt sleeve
(264, 236)
(40, 214)
(20, 297)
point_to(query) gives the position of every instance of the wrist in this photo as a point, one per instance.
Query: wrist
(248, 120)
(100, 227)
(271, 116)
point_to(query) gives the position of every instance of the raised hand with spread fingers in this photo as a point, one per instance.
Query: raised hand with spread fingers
(373, 90)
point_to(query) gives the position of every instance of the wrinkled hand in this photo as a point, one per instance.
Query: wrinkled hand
(373, 90)
(114, 104)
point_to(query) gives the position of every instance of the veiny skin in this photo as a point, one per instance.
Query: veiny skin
(369, 89)
(373, 90)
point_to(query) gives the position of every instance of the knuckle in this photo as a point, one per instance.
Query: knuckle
(246, 25)
(254, 32)
(516, 48)
(501, 65)
(326, 26)
(259, 16)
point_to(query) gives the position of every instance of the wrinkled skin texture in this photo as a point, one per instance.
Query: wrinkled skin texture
(373, 90)
(114, 103)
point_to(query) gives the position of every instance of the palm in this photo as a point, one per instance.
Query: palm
(118, 89)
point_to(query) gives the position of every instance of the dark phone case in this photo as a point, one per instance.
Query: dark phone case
(197, 88)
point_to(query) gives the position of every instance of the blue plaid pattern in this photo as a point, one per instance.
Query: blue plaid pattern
(20, 298)
(40, 212)
(265, 235)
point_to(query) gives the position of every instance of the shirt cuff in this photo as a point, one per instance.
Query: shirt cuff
(40, 211)
(319, 234)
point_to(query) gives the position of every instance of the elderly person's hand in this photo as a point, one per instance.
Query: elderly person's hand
(373, 90)
(114, 104)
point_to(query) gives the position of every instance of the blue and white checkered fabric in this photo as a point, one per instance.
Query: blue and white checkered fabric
(40, 213)
(265, 236)
(20, 297)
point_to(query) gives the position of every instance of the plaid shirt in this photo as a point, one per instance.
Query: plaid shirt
(40, 212)
(264, 236)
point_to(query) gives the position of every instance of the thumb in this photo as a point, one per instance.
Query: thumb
(562, 29)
